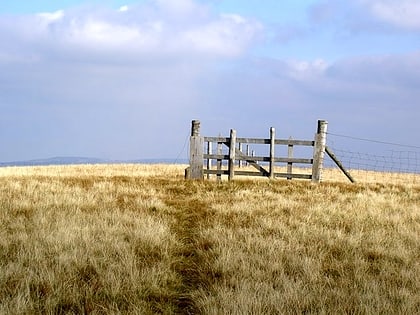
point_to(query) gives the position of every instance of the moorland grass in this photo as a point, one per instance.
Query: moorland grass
(139, 239)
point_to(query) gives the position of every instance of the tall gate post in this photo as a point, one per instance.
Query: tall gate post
(272, 146)
(319, 150)
(232, 147)
(196, 170)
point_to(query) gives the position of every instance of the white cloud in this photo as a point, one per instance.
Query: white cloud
(367, 15)
(124, 8)
(91, 33)
(401, 13)
(229, 35)
(158, 27)
(51, 16)
(302, 69)
(179, 7)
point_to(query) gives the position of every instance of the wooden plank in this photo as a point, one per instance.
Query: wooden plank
(247, 158)
(225, 140)
(309, 143)
(276, 175)
(216, 156)
(249, 173)
(217, 139)
(339, 164)
(216, 172)
(252, 162)
(300, 176)
(253, 141)
(294, 160)
(253, 158)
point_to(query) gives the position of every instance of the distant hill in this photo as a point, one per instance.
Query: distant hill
(55, 161)
(87, 160)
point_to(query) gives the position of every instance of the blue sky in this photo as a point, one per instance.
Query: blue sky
(124, 79)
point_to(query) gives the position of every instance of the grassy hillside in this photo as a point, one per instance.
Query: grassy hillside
(139, 239)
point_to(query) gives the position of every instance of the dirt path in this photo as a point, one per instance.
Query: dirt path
(193, 260)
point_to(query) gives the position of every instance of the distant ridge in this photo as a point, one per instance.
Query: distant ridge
(87, 160)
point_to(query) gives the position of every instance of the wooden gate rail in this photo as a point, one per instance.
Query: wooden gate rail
(235, 145)
(252, 160)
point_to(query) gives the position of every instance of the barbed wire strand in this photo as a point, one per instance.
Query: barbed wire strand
(376, 141)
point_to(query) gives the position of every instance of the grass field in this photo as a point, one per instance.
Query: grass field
(139, 239)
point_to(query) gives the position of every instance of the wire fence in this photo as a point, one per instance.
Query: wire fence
(377, 161)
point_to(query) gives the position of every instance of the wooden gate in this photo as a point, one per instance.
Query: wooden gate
(201, 149)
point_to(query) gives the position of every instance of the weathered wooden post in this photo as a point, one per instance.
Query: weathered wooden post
(240, 162)
(232, 146)
(209, 161)
(248, 153)
(272, 145)
(289, 163)
(339, 164)
(219, 161)
(196, 152)
(319, 150)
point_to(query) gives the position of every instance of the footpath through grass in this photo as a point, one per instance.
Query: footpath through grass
(145, 241)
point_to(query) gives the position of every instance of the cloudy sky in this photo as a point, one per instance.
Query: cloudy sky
(123, 79)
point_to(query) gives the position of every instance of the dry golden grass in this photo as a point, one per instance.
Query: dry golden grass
(372, 177)
(139, 239)
(335, 175)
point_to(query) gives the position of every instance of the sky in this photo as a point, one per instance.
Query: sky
(124, 79)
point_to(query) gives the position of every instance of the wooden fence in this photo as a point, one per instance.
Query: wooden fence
(200, 144)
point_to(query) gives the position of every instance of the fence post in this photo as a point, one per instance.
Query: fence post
(272, 143)
(319, 150)
(196, 152)
(289, 156)
(219, 161)
(209, 161)
(232, 146)
(248, 153)
(240, 162)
